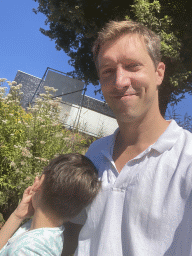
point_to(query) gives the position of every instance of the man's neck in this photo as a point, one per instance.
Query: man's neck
(143, 132)
(45, 220)
(134, 138)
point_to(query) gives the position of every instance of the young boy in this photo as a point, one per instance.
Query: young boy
(67, 185)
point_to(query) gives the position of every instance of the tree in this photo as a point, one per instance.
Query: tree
(74, 25)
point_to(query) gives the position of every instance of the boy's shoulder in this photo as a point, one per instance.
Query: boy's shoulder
(42, 241)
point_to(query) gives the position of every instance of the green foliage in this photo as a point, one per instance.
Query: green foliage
(28, 140)
(146, 12)
(149, 14)
(2, 221)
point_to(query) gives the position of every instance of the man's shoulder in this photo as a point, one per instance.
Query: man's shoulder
(185, 136)
(177, 135)
(179, 143)
(185, 143)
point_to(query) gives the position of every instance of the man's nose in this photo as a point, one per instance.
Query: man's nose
(122, 78)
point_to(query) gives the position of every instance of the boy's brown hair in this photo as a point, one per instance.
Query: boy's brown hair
(70, 183)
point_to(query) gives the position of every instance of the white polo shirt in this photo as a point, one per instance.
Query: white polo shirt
(146, 209)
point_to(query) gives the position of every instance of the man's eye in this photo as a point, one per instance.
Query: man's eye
(133, 67)
(107, 71)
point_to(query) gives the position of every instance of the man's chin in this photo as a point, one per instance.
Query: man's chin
(125, 117)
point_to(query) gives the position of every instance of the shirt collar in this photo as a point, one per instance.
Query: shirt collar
(108, 148)
(165, 142)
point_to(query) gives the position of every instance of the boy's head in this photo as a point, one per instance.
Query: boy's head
(68, 184)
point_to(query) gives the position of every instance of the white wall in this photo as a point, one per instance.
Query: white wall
(91, 122)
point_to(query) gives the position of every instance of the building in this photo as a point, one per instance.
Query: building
(89, 115)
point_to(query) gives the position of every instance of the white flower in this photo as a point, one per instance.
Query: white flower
(42, 94)
(43, 159)
(16, 87)
(59, 135)
(54, 124)
(34, 109)
(42, 142)
(66, 138)
(27, 178)
(47, 89)
(5, 98)
(2, 80)
(58, 99)
(28, 143)
(3, 88)
(26, 152)
(40, 119)
(38, 100)
(12, 164)
(4, 121)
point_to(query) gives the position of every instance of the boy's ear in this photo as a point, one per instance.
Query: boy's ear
(37, 183)
(41, 179)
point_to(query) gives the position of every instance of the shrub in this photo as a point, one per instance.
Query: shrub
(28, 140)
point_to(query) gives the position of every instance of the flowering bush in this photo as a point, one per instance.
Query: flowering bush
(28, 140)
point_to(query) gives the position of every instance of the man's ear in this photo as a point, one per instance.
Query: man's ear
(160, 71)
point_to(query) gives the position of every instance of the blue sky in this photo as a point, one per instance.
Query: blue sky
(24, 48)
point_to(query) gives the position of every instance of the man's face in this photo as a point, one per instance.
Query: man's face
(128, 78)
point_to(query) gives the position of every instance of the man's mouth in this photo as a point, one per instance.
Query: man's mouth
(125, 95)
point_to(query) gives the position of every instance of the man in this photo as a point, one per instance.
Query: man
(144, 207)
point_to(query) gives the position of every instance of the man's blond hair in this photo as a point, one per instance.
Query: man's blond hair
(115, 29)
